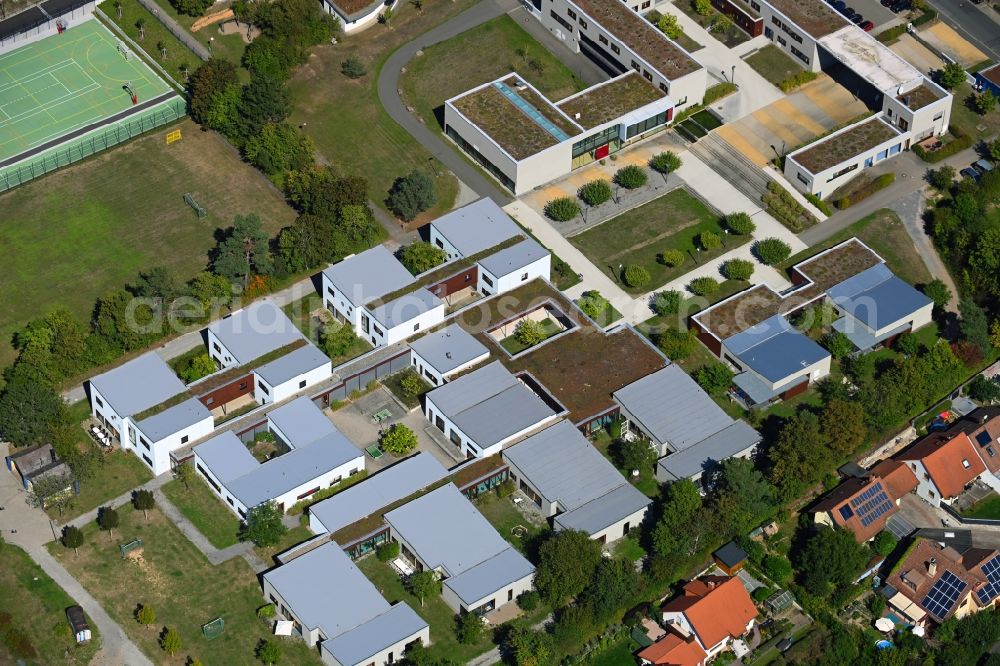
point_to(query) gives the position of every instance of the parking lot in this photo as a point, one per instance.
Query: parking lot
(873, 11)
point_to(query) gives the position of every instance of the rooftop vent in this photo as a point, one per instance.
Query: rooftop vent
(447, 354)
(932, 566)
(576, 116)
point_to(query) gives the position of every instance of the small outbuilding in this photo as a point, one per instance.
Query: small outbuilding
(730, 558)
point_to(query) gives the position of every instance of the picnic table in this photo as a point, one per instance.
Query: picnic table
(374, 452)
(381, 415)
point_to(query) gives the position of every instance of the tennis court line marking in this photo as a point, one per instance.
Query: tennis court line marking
(32, 95)
(69, 96)
(40, 73)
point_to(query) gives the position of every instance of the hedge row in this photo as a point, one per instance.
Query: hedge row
(865, 191)
(784, 208)
(956, 145)
(796, 80)
(891, 34)
(928, 16)
(823, 206)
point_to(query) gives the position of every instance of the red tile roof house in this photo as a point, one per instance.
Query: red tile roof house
(864, 504)
(945, 463)
(674, 650)
(714, 611)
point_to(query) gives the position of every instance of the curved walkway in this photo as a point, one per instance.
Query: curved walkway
(389, 88)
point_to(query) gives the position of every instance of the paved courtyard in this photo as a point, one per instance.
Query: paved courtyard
(945, 39)
(917, 54)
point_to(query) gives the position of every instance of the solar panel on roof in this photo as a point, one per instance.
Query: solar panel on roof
(942, 597)
(991, 569)
(846, 513)
(984, 438)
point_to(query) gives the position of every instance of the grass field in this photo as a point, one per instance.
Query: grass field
(505, 516)
(345, 118)
(205, 510)
(64, 82)
(968, 120)
(76, 234)
(988, 508)
(640, 236)
(622, 652)
(228, 47)
(38, 607)
(184, 589)
(515, 346)
(154, 33)
(773, 64)
(116, 474)
(478, 56)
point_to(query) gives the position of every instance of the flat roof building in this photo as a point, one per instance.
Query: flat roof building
(247, 334)
(442, 354)
(472, 229)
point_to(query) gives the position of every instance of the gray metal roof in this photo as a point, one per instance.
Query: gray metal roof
(774, 349)
(564, 466)
(672, 408)
(257, 329)
(445, 530)
(137, 385)
(291, 365)
(604, 511)
(173, 419)
(226, 457)
(482, 580)
(301, 421)
(369, 275)
(358, 645)
(735, 439)
(449, 348)
(406, 307)
(490, 404)
(325, 590)
(390, 485)
(877, 298)
(476, 227)
(514, 258)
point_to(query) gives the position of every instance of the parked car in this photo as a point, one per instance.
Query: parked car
(857, 19)
(848, 11)
(969, 172)
(983, 166)
(839, 5)
(887, 3)
(78, 622)
(867, 26)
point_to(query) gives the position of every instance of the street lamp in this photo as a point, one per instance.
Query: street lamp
(733, 74)
(210, 40)
(725, 233)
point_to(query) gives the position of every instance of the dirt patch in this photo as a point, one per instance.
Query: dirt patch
(209, 19)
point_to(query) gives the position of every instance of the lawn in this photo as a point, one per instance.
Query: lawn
(683, 40)
(178, 582)
(392, 382)
(773, 64)
(478, 56)
(115, 474)
(622, 652)
(155, 33)
(38, 607)
(227, 47)
(515, 346)
(885, 233)
(967, 120)
(731, 36)
(119, 213)
(640, 236)
(345, 118)
(204, 508)
(988, 508)
(646, 484)
(505, 517)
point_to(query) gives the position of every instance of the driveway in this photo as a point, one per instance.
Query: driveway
(918, 55)
(946, 39)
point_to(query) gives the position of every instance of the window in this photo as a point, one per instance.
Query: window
(883, 155)
(148, 461)
(646, 75)
(184, 439)
(364, 323)
(870, 161)
(439, 243)
(802, 179)
(615, 49)
(308, 493)
(145, 443)
(939, 116)
(302, 384)
(487, 280)
(602, 39)
(98, 401)
(263, 388)
(799, 54)
(781, 40)
(989, 450)
(216, 347)
(561, 21)
(570, 13)
(416, 327)
(209, 401)
(583, 24)
(965, 463)
(635, 65)
(646, 4)
(377, 330)
(754, 6)
(243, 385)
(524, 276)
(663, 87)
(208, 478)
(468, 277)
(895, 149)
(775, 21)
(644, 126)
(838, 174)
(230, 500)
(332, 293)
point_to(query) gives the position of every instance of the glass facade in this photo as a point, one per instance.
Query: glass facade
(585, 150)
(646, 125)
(486, 485)
(356, 550)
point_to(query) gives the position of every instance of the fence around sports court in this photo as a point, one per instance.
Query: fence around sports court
(92, 142)
(39, 21)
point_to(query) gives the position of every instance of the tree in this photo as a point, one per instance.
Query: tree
(141, 25)
(162, 48)
(631, 177)
(353, 68)
(973, 325)
(200, 366)
(702, 7)
(984, 390)
(337, 340)
(185, 474)
(72, 537)
(669, 26)
(664, 163)
(529, 332)
(263, 525)
(398, 440)
(469, 628)
(52, 490)
(419, 257)
(269, 652)
(677, 345)
(942, 178)
(263, 101)
(838, 344)
(423, 584)
(843, 422)
(771, 251)
(210, 290)
(206, 83)
(635, 276)
(985, 102)
(279, 147)
(411, 383)
(613, 587)
(703, 286)
(107, 519)
(743, 496)
(593, 304)
(672, 536)
(951, 76)
(993, 150)
(27, 410)
(938, 291)
(244, 250)
(411, 195)
(671, 257)
(777, 568)
(170, 641)
(884, 543)
(635, 454)
(829, 558)
(562, 209)
(144, 500)
(145, 615)
(595, 192)
(388, 551)
(566, 564)
(666, 302)
(528, 647)
(737, 269)
(740, 224)
(799, 456)
(714, 378)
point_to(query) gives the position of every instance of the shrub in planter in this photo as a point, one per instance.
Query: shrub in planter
(631, 177)
(562, 209)
(704, 286)
(387, 551)
(672, 257)
(665, 162)
(771, 251)
(709, 240)
(593, 304)
(740, 224)
(666, 302)
(636, 276)
(737, 269)
(595, 192)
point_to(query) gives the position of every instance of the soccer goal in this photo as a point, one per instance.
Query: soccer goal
(123, 50)
(214, 628)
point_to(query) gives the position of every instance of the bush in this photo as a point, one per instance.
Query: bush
(529, 332)
(411, 195)
(665, 162)
(709, 240)
(876, 604)
(677, 345)
(562, 209)
(702, 7)
(928, 16)
(714, 378)
(761, 594)
(593, 304)
(884, 543)
(506, 489)
(740, 224)
(595, 192)
(672, 257)
(843, 203)
(631, 177)
(737, 269)
(777, 568)
(960, 142)
(398, 440)
(891, 34)
(353, 68)
(941, 178)
(387, 551)
(636, 276)
(951, 76)
(771, 251)
(666, 302)
(823, 206)
(528, 601)
(838, 344)
(796, 80)
(704, 286)
(411, 383)
(784, 207)
(863, 191)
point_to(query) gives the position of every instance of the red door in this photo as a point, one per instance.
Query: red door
(602, 151)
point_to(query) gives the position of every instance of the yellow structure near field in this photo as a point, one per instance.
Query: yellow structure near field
(172, 136)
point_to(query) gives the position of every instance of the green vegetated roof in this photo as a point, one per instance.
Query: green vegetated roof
(223, 378)
(509, 126)
(605, 102)
(172, 401)
(919, 97)
(813, 16)
(833, 150)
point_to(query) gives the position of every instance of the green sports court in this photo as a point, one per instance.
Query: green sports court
(67, 82)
